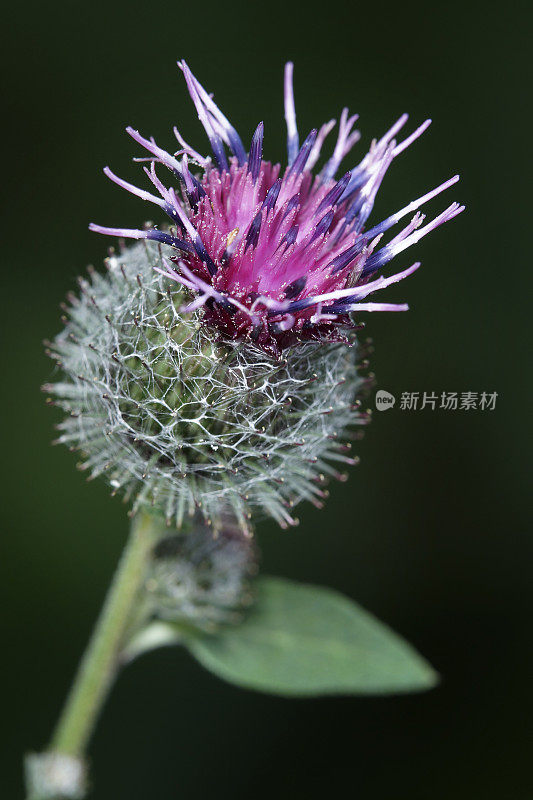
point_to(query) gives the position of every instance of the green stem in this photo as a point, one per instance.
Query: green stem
(98, 667)
(100, 662)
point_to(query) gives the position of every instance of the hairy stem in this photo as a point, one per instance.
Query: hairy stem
(98, 667)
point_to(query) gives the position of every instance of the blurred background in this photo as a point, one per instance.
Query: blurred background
(431, 531)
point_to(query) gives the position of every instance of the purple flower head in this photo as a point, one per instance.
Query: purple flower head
(278, 257)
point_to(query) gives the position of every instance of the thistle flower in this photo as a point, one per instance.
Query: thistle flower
(212, 374)
(208, 371)
(278, 258)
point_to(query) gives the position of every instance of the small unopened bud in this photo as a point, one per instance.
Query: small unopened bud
(200, 579)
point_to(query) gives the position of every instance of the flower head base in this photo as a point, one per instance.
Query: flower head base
(179, 422)
(278, 258)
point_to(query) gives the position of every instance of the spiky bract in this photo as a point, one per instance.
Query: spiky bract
(179, 420)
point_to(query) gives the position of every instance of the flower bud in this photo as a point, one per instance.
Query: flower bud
(202, 580)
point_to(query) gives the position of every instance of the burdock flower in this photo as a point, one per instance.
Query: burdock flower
(209, 370)
(277, 257)
(212, 375)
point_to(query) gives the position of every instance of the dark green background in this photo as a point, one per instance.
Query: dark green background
(431, 531)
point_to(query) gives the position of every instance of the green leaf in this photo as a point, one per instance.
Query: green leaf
(301, 640)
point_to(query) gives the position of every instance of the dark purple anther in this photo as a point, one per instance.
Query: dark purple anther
(256, 152)
(292, 204)
(203, 255)
(323, 226)
(253, 233)
(342, 260)
(237, 146)
(272, 195)
(294, 288)
(166, 238)
(334, 194)
(290, 237)
(301, 159)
